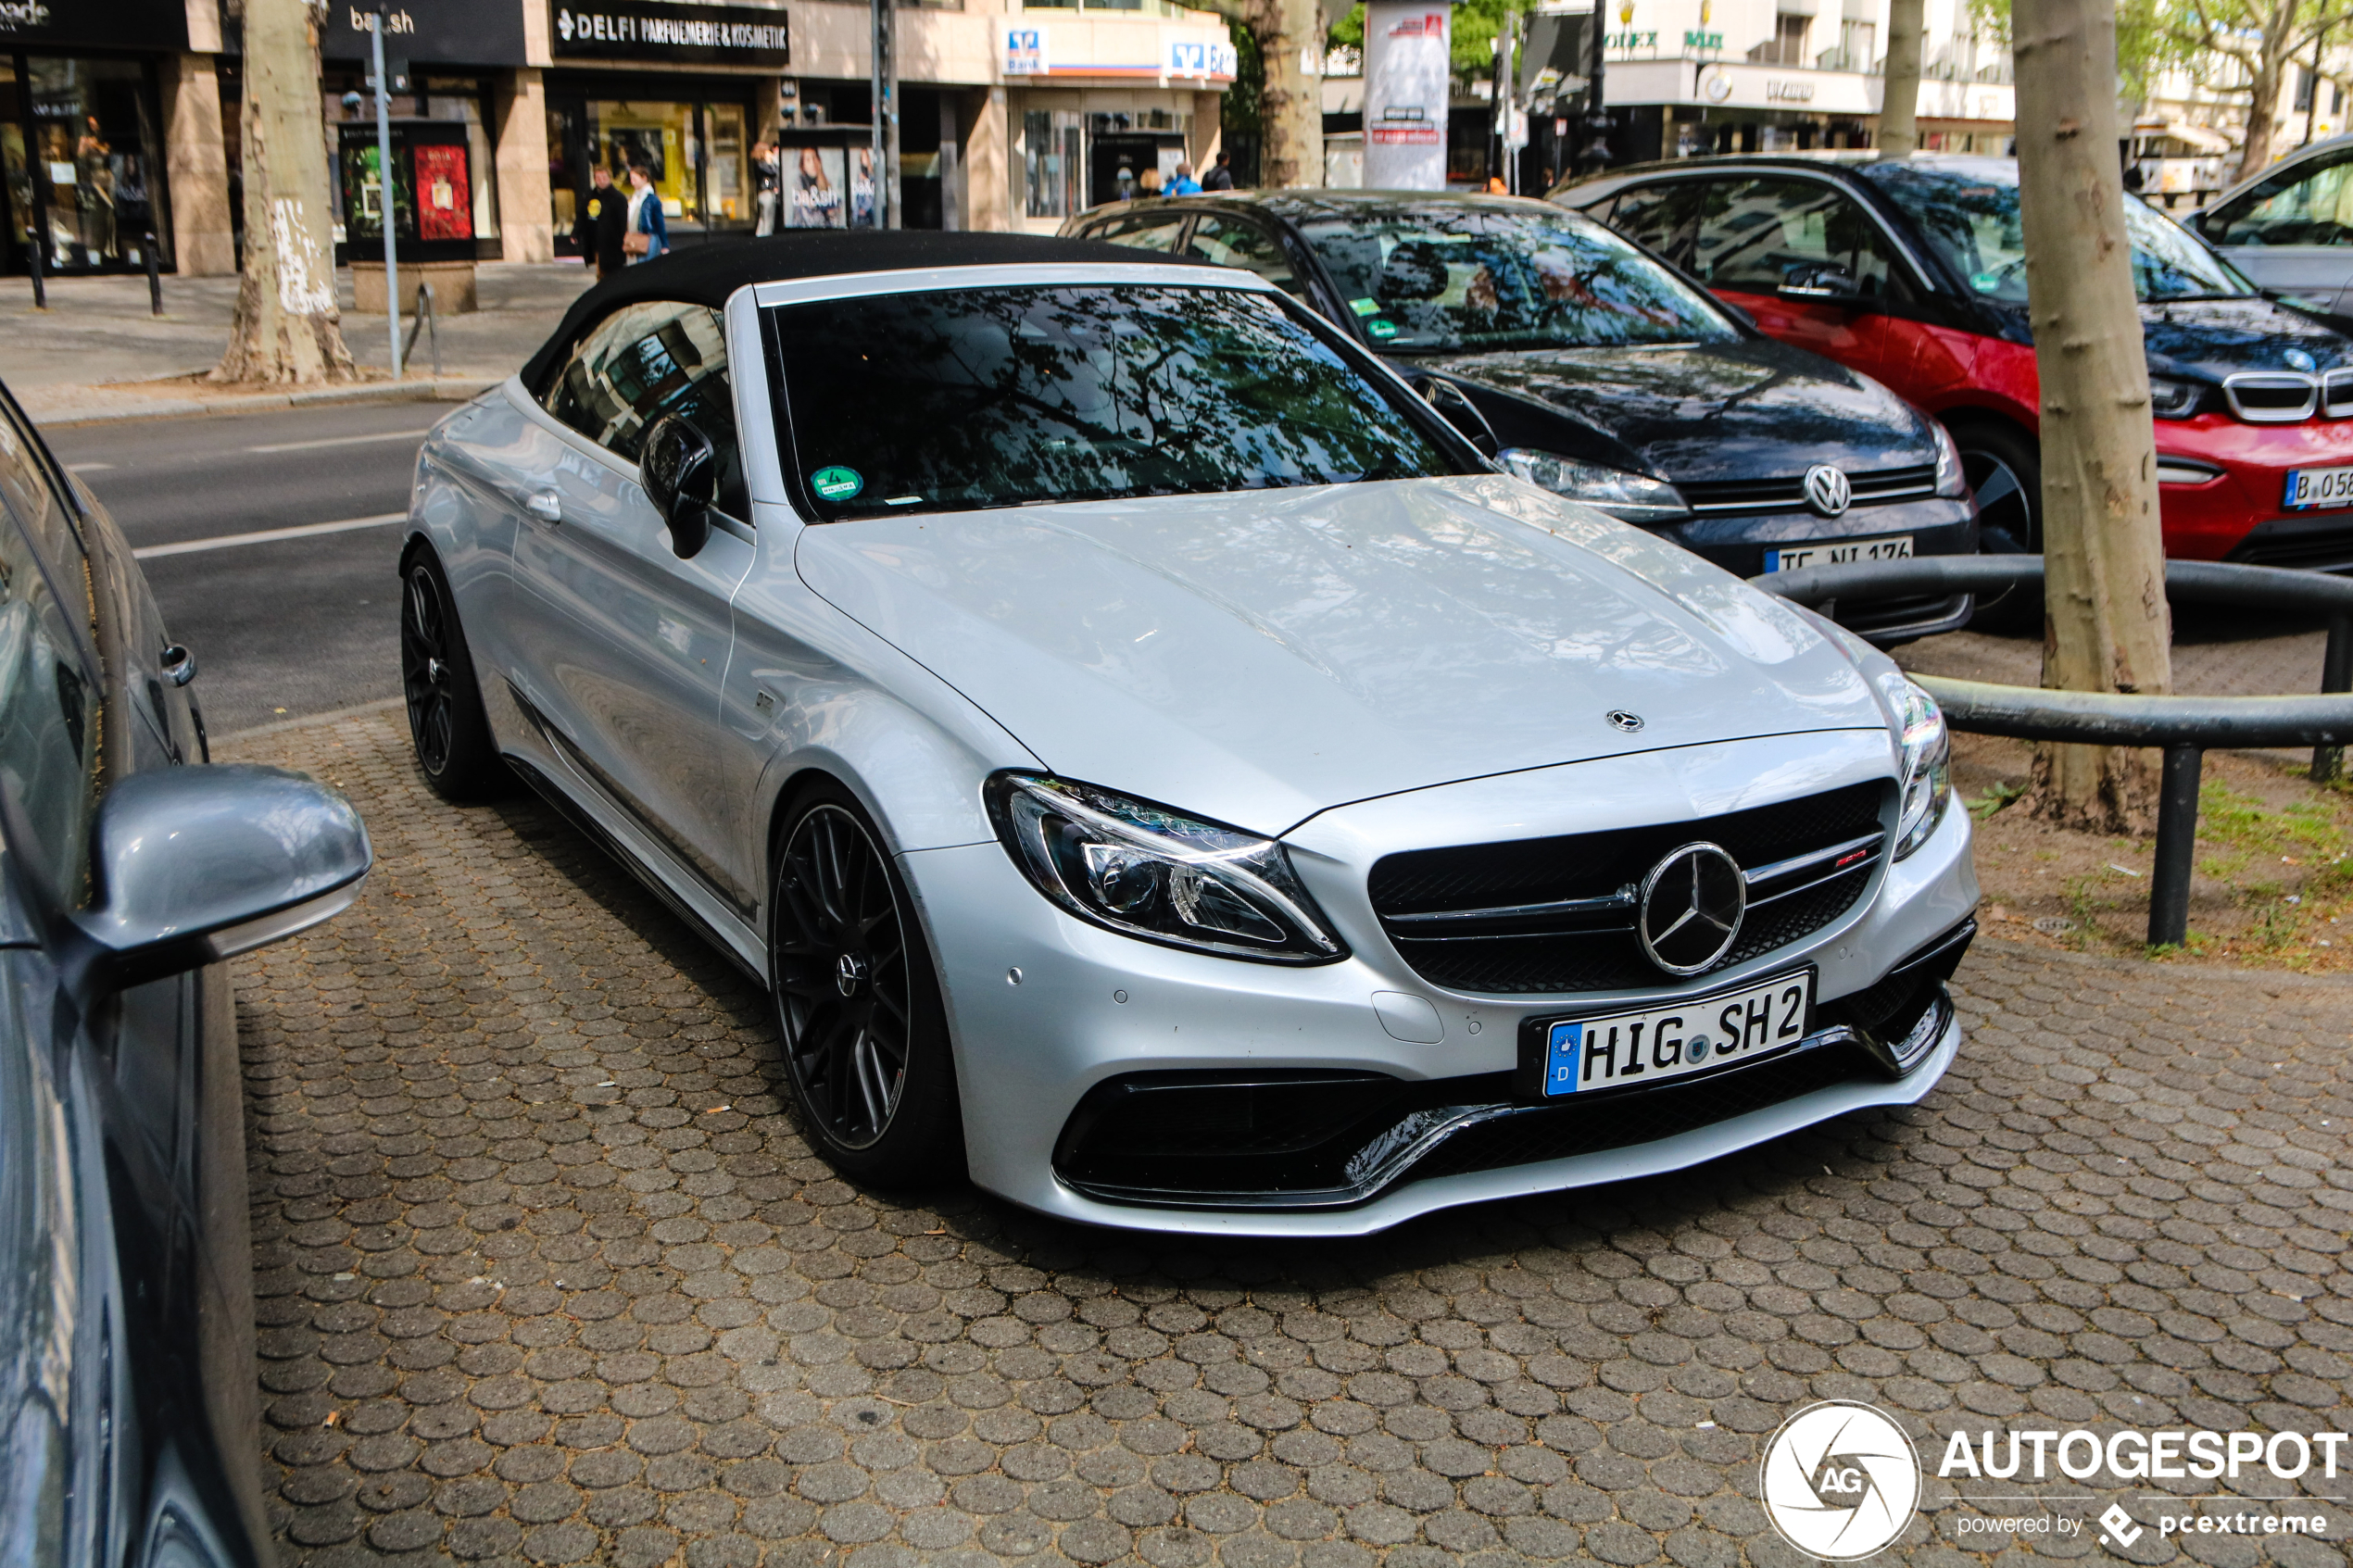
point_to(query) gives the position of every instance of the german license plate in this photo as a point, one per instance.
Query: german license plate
(1838, 552)
(1693, 1035)
(2320, 488)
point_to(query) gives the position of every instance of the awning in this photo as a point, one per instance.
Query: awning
(2196, 136)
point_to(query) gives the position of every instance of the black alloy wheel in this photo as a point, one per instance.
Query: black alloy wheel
(446, 719)
(2004, 467)
(857, 1002)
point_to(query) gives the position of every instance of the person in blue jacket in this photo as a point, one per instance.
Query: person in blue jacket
(645, 216)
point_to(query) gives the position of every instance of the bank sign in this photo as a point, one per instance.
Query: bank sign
(654, 30)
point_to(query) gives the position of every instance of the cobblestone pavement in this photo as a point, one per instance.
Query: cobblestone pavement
(2213, 657)
(546, 1276)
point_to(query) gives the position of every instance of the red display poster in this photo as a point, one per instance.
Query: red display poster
(445, 204)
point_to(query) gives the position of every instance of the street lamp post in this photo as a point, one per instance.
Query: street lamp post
(1598, 123)
(882, 136)
(383, 187)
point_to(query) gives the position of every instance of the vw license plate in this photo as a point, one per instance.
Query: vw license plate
(2320, 488)
(1838, 552)
(1694, 1034)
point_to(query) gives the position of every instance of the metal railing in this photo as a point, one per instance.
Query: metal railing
(2185, 727)
(427, 325)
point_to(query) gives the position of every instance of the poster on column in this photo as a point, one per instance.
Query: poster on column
(1406, 75)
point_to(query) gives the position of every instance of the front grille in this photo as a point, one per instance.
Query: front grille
(1640, 1116)
(1718, 496)
(2307, 550)
(1540, 947)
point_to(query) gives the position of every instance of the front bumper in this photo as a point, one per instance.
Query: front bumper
(2238, 514)
(1043, 1008)
(1938, 526)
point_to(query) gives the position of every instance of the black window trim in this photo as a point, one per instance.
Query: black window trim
(1899, 242)
(733, 510)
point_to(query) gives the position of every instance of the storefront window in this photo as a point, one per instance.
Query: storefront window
(94, 170)
(728, 174)
(1051, 159)
(661, 136)
(19, 173)
(462, 101)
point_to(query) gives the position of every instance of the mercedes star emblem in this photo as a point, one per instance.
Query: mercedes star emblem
(850, 973)
(1622, 720)
(1827, 490)
(1691, 908)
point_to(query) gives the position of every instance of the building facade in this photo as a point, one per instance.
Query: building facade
(118, 119)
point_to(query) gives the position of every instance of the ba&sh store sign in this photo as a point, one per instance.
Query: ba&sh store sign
(651, 30)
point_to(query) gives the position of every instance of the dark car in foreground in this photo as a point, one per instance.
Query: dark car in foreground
(129, 867)
(1914, 270)
(1592, 370)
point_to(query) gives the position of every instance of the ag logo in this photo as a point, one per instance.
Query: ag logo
(1841, 1480)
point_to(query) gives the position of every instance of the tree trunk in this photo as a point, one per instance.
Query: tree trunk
(1291, 111)
(2106, 625)
(287, 329)
(2274, 45)
(1899, 123)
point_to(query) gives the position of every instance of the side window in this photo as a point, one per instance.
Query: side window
(30, 490)
(1147, 231)
(48, 715)
(1232, 242)
(644, 361)
(2311, 205)
(1660, 217)
(1752, 233)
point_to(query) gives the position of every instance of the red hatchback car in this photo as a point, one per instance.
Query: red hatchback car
(1913, 271)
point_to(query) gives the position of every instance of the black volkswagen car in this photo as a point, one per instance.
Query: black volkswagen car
(1586, 365)
(128, 868)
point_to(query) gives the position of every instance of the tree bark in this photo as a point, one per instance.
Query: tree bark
(1290, 104)
(2107, 624)
(287, 330)
(1899, 124)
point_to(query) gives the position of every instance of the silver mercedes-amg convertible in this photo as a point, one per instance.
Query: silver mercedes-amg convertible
(1157, 762)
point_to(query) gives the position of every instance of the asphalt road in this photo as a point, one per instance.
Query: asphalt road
(281, 627)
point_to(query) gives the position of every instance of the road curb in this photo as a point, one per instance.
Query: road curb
(442, 389)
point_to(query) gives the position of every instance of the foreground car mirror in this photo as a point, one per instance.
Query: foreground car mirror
(192, 865)
(1822, 281)
(680, 470)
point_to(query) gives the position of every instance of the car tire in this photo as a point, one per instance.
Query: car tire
(2004, 467)
(450, 732)
(857, 1003)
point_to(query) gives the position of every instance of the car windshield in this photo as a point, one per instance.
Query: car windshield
(1970, 217)
(958, 399)
(1433, 278)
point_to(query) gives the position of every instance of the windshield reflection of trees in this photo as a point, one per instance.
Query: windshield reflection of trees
(972, 399)
(1467, 280)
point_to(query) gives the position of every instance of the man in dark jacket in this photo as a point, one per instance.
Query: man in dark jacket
(1221, 177)
(604, 218)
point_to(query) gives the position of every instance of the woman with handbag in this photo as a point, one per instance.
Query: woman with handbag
(649, 234)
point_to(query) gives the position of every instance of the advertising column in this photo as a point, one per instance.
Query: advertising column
(1406, 76)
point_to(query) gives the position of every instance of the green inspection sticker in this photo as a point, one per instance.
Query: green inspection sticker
(1381, 329)
(1364, 306)
(836, 485)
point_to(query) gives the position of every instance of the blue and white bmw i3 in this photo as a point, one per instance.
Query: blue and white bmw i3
(1155, 761)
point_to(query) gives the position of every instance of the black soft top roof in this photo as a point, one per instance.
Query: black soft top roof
(707, 274)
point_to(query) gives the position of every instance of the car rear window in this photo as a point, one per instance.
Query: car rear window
(960, 400)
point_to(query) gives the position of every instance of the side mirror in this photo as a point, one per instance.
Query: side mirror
(680, 470)
(1824, 282)
(1455, 404)
(192, 865)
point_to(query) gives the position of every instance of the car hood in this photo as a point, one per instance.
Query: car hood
(2209, 339)
(1259, 656)
(1750, 409)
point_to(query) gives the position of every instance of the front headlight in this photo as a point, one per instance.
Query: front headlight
(1146, 872)
(1949, 480)
(1631, 497)
(2170, 400)
(1927, 750)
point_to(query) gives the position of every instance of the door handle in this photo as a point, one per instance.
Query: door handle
(545, 504)
(179, 665)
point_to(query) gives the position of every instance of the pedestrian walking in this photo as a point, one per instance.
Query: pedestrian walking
(1221, 177)
(1184, 184)
(603, 220)
(767, 183)
(1148, 184)
(649, 234)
